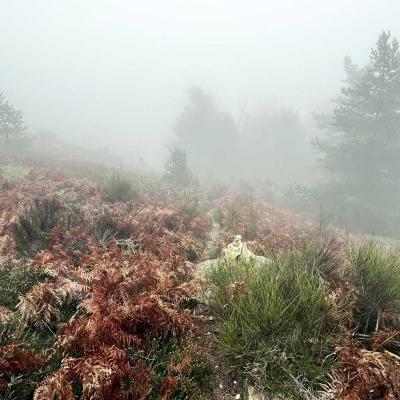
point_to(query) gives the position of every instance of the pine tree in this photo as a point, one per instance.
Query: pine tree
(363, 146)
(11, 120)
(176, 169)
(367, 118)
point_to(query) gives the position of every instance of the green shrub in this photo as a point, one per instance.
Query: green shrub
(176, 169)
(250, 228)
(376, 274)
(277, 323)
(118, 187)
(107, 226)
(215, 189)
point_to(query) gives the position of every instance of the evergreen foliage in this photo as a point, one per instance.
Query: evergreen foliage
(11, 120)
(362, 147)
(176, 169)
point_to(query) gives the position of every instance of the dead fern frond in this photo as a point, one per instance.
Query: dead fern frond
(14, 360)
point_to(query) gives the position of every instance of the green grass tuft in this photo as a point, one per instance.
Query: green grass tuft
(276, 322)
(376, 274)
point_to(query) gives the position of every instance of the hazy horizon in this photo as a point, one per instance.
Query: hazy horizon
(114, 74)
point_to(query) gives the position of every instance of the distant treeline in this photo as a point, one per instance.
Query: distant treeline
(358, 175)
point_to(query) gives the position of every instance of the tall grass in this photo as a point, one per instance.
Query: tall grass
(277, 323)
(376, 274)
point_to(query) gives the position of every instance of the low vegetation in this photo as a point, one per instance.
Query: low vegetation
(118, 187)
(277, 323)
(13, 171)
(98, 297)
(312, 312)
(100, 310)
(376, 274)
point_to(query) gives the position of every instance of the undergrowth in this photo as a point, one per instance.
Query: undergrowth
(181, 366)
(97, 299)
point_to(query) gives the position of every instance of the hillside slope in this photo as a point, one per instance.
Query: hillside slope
(98, 298)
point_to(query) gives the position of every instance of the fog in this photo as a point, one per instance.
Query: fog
(199, 199)
(114, 74)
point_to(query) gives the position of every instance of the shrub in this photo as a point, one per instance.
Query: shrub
(243, 217)
(276, 322)
(376, 274)
(118, 187)
(353, 212)
(215, 189)
(176, 169)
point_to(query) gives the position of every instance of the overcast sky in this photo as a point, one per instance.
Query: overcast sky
(114, 72)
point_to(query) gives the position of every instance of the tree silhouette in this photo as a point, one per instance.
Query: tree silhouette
(11, 119)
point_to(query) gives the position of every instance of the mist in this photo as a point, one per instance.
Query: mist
(115, 74)
(199, 199)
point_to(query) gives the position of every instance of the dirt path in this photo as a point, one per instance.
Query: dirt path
(224, 385)
(212, 243)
